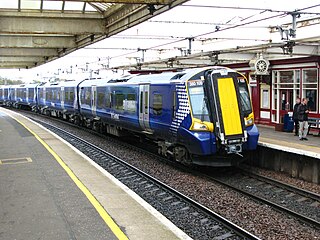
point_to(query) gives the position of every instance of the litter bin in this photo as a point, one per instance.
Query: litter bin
(288, 123)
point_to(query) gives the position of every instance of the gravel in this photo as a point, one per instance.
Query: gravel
(284, 177)
(256, 218)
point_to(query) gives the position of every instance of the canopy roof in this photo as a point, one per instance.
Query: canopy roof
(33, 32)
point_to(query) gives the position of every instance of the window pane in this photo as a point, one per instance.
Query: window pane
(108, 100)
(310, 76)
(146, 101)
(66, 96)
(131, 104)
(312, 99)
(30, 4)
(71, 97)
(119, 101)
(100, 100)
(52, 5)
(310, 88)
(88, 96)
(245, 99)
(31, 94)
(198, 105)
(157, 104)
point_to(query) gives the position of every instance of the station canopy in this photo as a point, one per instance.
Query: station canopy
(33, 32)
(154, 34)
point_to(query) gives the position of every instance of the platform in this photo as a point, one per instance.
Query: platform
(284, 152)
(48, 190)
(287, 141)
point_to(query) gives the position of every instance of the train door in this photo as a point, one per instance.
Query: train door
(94, 100)
(144, 102)
(62, 97)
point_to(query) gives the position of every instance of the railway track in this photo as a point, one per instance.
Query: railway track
(299, 203)
(193, 218)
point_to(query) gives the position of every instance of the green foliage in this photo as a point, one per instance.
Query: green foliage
(5, 81)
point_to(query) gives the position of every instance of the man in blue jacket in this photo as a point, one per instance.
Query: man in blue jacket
(303, 119)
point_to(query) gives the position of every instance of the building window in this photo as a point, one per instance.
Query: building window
(286, 88)
(157, 104)
(310, 88)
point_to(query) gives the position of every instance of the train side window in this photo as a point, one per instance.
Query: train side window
(25, 93)
(48, 95)
(174, 106)
(100, 100)
(141, 102)
(131, 103)
(108, 100)
(66, 95)
(119, 101)
(88, 97)
(146, 101)
(30, 93)
(71, 96)
(157, 104)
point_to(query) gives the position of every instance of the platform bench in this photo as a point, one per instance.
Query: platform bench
(314, 123)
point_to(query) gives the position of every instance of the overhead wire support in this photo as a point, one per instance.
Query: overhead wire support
(281, 14)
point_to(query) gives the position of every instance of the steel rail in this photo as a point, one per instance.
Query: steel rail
(276, 206)
(74, 140)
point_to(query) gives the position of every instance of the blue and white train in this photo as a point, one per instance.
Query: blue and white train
(198, 116)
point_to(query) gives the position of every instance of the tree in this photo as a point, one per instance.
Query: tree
(5, 81)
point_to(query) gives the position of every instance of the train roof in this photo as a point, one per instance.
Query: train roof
(165, 77)
(72, 83)
(159, 78)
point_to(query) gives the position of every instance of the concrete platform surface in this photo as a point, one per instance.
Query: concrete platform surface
(286, 141)
(39, 199)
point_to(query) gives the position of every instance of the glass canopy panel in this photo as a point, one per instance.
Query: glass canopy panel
(9, 4)
(89, 8)
(73, 6)
(52, 5)
(30, 4)
(103, 6)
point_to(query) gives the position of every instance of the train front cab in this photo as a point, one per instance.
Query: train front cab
(222, 118)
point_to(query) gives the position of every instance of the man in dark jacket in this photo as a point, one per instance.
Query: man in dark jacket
(295, 116)
(303, 119)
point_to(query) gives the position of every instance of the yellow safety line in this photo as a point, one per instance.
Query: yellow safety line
(105, 216)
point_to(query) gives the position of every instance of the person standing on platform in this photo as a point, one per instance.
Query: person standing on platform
(303, 119)
(295, 116)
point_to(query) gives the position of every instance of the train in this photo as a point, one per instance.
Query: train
(200, 116)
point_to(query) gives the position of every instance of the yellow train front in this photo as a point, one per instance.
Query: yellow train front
(214, 124)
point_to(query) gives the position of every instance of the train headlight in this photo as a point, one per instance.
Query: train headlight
(249, 122)
(200, 126)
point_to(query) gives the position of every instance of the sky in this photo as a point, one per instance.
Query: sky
(165, 35)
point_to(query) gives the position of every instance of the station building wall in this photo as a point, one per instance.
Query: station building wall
(274, 95)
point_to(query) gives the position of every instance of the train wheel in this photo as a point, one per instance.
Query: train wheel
(181, 154)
